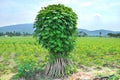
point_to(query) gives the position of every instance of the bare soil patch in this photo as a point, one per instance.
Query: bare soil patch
(84, 73)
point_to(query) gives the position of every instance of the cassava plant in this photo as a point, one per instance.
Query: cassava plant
(55, 26)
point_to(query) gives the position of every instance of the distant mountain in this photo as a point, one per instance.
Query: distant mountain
(17, 28)
(96, 32)
(29, 28)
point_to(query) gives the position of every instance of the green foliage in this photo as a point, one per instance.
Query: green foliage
(55, 25)
(89, 51)
(118, 71)
(114, 77)
(26, 65)
(11, 48)
(70, 69)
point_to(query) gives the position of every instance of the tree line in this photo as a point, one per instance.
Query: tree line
(113, 34)
(15, 34)
(80, 34)
(84, 34)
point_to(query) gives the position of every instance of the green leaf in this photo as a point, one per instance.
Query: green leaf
(49, 21)
(59, 21)
(58, 32)
(55, 17)
(47, 29)
(54, 26)
(66, 42)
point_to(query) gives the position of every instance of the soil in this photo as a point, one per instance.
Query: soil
(84, 73)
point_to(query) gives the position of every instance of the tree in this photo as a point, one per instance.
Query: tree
(100, 33)
(17, 34)
(82, 34)
(9, 33)
(55, 25)
(1, 33)
(113, 34)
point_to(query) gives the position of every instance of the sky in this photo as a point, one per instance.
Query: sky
(92, 14)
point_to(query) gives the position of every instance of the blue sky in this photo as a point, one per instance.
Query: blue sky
(92, 14)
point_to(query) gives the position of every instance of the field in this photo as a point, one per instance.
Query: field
(88, 51)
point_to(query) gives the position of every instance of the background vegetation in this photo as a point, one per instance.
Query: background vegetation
(89, 51)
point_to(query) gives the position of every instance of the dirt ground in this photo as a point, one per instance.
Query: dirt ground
(84, 73)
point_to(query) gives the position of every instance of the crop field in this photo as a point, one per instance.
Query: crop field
(88, 51)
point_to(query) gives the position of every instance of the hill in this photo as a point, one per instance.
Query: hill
(17, 28)
(29, 28)
(96, 32)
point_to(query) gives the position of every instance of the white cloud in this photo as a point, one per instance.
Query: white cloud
(85, 4)
(97, 14)
(87, 11)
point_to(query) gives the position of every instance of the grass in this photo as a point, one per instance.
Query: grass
(97, 51)
(89, 51)
(12, 48)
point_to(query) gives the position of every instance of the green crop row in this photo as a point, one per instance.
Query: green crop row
(88, 51)
(91, 51)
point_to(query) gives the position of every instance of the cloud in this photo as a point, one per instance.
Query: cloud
(97, 15)
(24, 11)
(85, 4)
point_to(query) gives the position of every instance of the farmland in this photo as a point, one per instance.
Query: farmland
(88, 51)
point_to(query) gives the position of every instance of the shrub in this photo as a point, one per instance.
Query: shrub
(26, 65)
(55, 26)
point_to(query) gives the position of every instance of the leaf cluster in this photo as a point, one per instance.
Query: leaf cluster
(55, 25)
(26, 65)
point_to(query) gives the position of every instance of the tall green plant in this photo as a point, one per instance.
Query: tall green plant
(55, 26)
